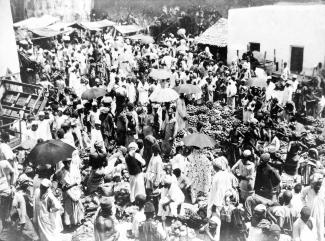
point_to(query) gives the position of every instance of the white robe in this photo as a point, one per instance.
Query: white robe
(131, 92)
(49, 223)
(222, 181)
(44, 129)
(180, 114)
(301, 232)
(316, 202)
(175, 194)
(143, 93)
(96, 136)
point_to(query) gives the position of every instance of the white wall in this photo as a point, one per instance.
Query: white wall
(279, 27)
(8, 48)
(67, 10)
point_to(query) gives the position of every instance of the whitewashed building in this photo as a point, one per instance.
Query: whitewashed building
(9, 63)
(293, 33)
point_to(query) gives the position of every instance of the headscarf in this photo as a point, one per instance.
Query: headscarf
(316, 177)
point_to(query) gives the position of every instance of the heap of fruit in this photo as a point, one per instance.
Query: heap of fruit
(320, 123)
(217, 120)
(192, 219)
(178, 232)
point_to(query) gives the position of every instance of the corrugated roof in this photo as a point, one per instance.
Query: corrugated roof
(216, 35)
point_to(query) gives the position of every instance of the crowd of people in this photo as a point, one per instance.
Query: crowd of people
(126, 143)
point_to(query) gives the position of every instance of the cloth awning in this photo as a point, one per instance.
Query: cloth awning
(216, 35)
(128, 29)
(97, 25)
(35, 23)
(60, 26)
(22, 34)
(48, 32)
(146, 39)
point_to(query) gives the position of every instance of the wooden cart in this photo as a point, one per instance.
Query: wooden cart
(17, 99)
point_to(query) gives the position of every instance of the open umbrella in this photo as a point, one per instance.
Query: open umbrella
(145, 39)
(93, 93)
(50, 152)
(188, 89)
(160, 74)
(256, 82)
(199, 140)
(164, 95)
(181, 32)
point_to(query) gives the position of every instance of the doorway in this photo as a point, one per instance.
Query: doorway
(254, 47)
(297, 59)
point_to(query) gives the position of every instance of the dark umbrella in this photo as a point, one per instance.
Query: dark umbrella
(93, 93)
(199, 140)
(50, 152)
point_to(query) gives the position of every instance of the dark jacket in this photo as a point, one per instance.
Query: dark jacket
(134, 166)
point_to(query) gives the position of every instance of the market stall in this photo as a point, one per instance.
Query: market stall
(36, 22)
(216, 37)
(128, 30)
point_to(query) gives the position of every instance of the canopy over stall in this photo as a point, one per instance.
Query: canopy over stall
(216, 35)
(35, 23)
(146, 39)
(60, 26)
(95, 26)
(126, 30)
(48, 32)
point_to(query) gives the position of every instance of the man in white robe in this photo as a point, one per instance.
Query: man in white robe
(181, 112)
(47, 212)
(44, 126)
(304, 228)
(314, 197)
(171, 200)
(96, 137)
(222, 182)
(131, 92)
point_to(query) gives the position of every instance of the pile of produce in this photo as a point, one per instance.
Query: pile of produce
(84, 232)
(217, 120)
(91, 205)
(178, 231)
(319, 123)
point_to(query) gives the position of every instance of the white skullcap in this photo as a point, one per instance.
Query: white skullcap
(247, 153)
(107, 99)
(316, 177)
(168, 179)
(289, 82)
(218, 163)
(46, 182)
(260, 208)
(34, 123)
(133, 145)
(214, 219)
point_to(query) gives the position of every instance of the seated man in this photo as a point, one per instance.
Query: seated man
(171, 199)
